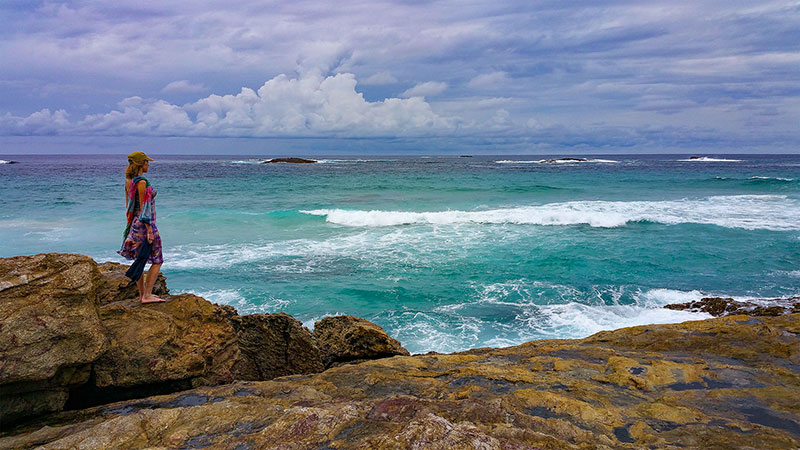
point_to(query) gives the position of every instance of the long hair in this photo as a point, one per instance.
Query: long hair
(133, 169)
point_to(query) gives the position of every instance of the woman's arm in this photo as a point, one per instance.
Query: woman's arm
(141, 187)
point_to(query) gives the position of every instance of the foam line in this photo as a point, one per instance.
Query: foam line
(769, 212)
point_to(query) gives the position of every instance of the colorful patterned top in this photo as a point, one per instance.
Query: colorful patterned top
(148, 210)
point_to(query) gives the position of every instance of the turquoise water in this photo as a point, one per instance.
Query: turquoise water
(445, 253)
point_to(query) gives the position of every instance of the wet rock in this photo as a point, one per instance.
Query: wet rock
(50, 330)
(274, 345)
(114, 286)
(717, 383)
(290, 160)
(720, 306)
(344, 339)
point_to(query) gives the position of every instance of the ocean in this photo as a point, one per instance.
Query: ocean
(445, 253)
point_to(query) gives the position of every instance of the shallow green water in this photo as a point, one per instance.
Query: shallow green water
(444, 253)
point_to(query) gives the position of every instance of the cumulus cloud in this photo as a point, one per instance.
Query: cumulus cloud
(379, 78)
(183, 86)
(429, 88)
(309, 105)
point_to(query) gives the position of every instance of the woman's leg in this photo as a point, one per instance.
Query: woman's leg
(140, 286)
(152, 276)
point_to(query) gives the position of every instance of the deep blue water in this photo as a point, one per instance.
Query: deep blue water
(445, 253)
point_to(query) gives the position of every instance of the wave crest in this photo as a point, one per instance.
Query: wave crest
(770, 212)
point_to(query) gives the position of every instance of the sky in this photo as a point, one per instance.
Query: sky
(300, 76)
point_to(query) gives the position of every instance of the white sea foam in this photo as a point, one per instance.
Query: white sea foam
(351, 161)
(234, 297)
(554, 161)
(707, 159)
(576, 320)
(230, 297)
(247, 161)
(533, 310)
(3, 161)
(770, 212)
(772, 178)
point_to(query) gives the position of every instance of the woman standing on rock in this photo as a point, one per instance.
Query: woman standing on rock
(141, 232)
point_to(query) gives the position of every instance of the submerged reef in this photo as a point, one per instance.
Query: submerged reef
(728, 382)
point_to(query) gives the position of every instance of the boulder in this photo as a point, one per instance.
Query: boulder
(720, 306)
(115, 286)
(185, 338)
(50, 330)
(274, 345)
(343, 339)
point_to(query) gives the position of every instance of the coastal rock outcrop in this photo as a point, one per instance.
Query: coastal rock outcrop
(274, 345)
(290, 160)
(345, 339)
(50, 330)
(73, 335)
(729, 382)
(724, 306)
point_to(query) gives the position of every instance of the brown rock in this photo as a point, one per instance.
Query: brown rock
(348, 338)
(49, 330)
(114, 286)
(727, 382)
(185, 338)
(274, 345)
(719, 306)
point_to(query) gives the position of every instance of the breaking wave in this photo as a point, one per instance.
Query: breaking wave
(769, 212)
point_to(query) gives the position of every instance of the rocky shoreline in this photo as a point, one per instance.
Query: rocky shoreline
(192, 374)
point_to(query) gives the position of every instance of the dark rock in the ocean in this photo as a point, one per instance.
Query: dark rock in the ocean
(115, 286)
(290, 160)
(50, 330)
(714, 383)
(11, 162)
(564, 159)
(274, 345)
(344, 339)
(720, 306)
(696, 157)
(465, 156)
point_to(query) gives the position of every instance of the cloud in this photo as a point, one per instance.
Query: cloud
(379, 78)
(429, 88)
(183, 86)
(646, 67)
(494, 80)
(311, 105)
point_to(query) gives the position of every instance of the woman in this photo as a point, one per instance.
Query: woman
(141, 214)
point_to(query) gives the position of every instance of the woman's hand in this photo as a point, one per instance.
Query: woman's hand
(149, 233)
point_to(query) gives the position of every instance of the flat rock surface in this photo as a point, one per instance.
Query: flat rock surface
(723, 383)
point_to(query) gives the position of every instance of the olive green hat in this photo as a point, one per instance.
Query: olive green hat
(139, 157)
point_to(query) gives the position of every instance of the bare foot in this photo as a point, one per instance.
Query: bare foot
(152, 299)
